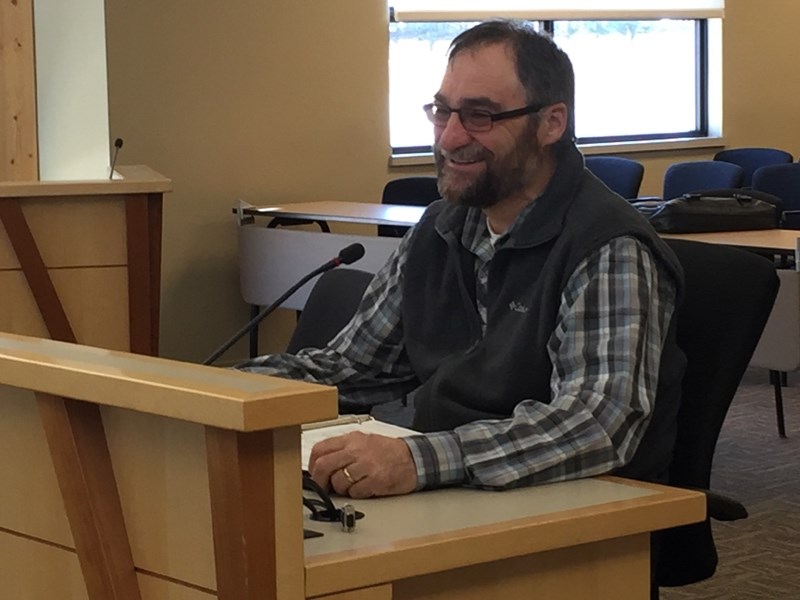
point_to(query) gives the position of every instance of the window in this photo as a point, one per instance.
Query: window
(640, 79)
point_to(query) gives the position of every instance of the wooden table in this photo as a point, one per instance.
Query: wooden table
(129, 477)
(578, 539)
(776, 241)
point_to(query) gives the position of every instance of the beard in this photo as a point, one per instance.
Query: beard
(503, 177)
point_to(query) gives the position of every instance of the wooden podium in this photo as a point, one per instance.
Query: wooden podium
(81, 260)
(114, 470)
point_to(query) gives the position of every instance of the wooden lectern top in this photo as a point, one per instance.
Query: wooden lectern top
(135, 179)
(212, 396)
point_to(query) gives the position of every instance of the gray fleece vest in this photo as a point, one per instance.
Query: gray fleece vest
(467, 376)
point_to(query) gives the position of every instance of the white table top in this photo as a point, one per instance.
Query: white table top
(345, 212)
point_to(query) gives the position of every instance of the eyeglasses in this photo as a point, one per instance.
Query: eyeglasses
(474, 119)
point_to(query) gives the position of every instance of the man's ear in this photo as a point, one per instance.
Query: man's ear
(552, 123)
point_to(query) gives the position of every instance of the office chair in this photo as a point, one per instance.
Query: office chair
(751, 159)
(729, 294)
(779, 347)
(620, 175)
(782, 181)
(698, 176)
(330, 306)
(408, 191)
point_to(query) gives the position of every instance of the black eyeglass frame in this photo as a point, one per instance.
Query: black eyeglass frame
(484, 114)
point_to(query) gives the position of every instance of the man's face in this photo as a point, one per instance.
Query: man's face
(483, 168)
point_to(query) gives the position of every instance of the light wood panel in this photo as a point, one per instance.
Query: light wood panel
(73, 231)
(258, 542)
(75, 435)
(133, 179)
(162, 479)
(612, 570)
(18, 144)
(30, 570)
(381, 592)
(95, 302)
(33, 571)
(30, 501)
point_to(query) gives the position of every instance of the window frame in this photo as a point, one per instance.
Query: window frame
(707, 132)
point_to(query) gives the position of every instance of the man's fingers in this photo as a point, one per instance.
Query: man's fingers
(325, 447)
(342, 481)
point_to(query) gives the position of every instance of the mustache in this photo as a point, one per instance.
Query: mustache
(469, 153)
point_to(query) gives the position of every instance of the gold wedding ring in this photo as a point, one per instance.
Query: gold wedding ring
(348, 476)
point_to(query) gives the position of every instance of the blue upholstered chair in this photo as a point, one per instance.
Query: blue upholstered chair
(621, 175)
(782, 181)
(751, 159)
(698, 176)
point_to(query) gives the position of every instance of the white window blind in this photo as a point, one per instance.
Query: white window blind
(575, 10)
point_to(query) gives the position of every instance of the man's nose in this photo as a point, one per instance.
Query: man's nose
(453, 135)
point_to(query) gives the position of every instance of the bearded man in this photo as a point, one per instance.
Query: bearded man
(529, 311)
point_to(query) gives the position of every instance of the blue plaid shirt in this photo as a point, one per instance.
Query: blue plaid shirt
(614, 315)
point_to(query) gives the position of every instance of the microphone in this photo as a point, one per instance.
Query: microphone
(117, 146)
(346, 256)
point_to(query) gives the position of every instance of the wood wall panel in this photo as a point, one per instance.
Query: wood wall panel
(30, 501)
(161, 477)
(163, 483)
(18, 144)
(72, 231)
(94, 299)
(33, 571)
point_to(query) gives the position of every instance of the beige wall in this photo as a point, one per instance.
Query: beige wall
(286, 100)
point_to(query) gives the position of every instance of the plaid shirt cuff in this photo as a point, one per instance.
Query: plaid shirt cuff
(438, 459)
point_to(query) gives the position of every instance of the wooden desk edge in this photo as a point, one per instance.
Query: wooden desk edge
(136, 179)
(280, 403)
(669, 507)
(777, 241)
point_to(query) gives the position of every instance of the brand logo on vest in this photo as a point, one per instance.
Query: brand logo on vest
(517, 307)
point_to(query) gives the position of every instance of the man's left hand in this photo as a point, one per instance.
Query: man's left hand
(363, 465)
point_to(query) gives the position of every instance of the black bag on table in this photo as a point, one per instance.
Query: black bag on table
(718, 210)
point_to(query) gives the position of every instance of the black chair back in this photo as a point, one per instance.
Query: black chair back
(408, 191)
(330, 306)
(729, 296)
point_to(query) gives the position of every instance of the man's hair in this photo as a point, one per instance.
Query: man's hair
(543, 68)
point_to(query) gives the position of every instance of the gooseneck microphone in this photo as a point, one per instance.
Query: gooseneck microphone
(347, 256)
(117, 145)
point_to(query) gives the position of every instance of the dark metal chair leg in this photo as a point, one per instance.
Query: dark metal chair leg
(254, 310)
(776, 377)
